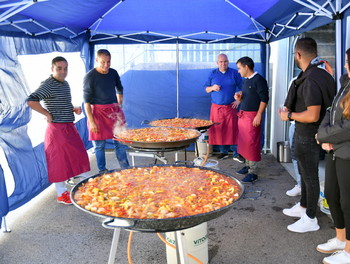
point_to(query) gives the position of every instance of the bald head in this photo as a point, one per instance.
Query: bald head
(222, 62)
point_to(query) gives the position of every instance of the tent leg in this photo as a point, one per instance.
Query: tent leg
(4, 226)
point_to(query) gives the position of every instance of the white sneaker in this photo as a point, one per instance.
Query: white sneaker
(304, 224)
(295, 191)
(295, 211)
(338, 257)
(331, 246)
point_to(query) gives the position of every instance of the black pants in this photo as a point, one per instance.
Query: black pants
(337, 191)
(307, 153)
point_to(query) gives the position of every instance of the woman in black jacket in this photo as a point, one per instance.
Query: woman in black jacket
(334, 135)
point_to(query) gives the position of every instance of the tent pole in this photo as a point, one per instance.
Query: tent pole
(177, 78)
(267, 73)
(4, 225)
(338, 45)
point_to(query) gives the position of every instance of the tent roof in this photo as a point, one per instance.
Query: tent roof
(202, 21)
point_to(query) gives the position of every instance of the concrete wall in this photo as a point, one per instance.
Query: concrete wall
(325, 38)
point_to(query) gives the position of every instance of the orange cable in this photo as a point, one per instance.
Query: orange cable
(172, 246)
(129, 247)
(206, 155)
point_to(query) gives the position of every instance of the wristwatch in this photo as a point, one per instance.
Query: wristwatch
(290, 116)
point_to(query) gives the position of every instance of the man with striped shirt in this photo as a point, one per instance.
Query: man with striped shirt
(65, 152)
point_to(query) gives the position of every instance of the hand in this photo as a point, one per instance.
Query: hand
(235, 104)
(327, 146)
(283, 112)
(257, 120)
(238, 96)
(93, 127)
(49, 118)
(77, 110)
(216, 88)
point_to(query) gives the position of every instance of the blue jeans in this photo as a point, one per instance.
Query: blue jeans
(291, 143)
(226, 148)
(119, 149)
(307, 154)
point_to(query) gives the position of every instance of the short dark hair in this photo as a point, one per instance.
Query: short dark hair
(246, 61)
(103, 52)
(307, 45)
(58, 59)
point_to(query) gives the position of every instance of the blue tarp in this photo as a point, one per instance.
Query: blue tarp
(34, 27)
(153, 94)
(27, 164)
(166, 20)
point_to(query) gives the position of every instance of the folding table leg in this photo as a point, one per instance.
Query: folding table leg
(114, 246)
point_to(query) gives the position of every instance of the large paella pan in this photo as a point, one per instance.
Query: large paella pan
(158, 137)
(159, 198)
(194, 123)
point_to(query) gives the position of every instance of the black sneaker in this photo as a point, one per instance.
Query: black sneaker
(223, 156)
(238, 158)
(251, 177)
(244, 170)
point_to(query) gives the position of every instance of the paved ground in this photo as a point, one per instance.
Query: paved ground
(253, 231)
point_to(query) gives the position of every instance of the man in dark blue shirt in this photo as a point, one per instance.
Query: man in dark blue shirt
(254, 98)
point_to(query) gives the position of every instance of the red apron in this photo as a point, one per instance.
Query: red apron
(224, 133)
(248, 136)
(108, 118)
(65, 153)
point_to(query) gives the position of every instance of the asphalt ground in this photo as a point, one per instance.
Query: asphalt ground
(253, 231)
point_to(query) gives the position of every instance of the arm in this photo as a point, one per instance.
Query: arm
(92, 125)
(263, 92)
(334, 134)
(88, 99)
(36, 106)
(310, 115)
(208, 84)
(238, 98)
(258, 117)
(311, 93)
(120, 99)
(214, 88)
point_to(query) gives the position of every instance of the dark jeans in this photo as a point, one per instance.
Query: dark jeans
(337, 191)
(307, 153)
(226, 148)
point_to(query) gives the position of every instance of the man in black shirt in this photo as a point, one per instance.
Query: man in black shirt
(103, 96)
(306, 103)
(254, 98)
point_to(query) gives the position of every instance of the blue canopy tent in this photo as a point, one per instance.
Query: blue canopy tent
(42, 26)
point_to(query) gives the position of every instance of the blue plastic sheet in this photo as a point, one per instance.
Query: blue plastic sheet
(27, 164)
